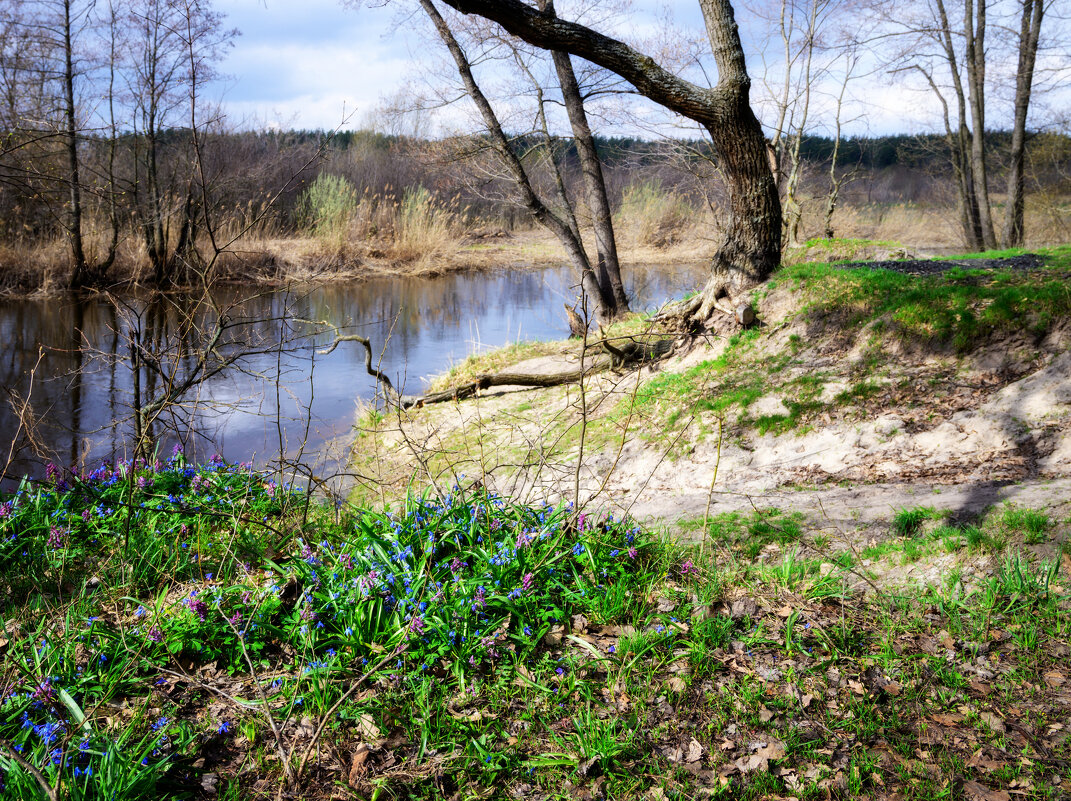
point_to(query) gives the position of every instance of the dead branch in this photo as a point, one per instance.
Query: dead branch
(372, 371)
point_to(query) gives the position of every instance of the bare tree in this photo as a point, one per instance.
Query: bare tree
(564, 226)
(954, 58)
(751, 248)
(173, 48)
(1032, 14)
(609, 269)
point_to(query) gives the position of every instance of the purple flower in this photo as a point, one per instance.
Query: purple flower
(57, 537)
(198, 607)
(416, 626)
(155, 635)
(44, 692)
(526, 581)
(632, 553)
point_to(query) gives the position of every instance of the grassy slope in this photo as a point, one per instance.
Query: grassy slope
(841, 344)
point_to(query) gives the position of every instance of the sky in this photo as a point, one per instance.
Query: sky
(315, 64)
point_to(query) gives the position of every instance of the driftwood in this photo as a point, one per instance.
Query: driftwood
(488, 380)
(372, 371)
(613, 357)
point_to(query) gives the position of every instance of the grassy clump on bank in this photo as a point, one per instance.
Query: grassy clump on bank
(953, 309)
(951, 312)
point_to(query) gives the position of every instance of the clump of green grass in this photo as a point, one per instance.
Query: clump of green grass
(909, 522)
(1033, 525)
(749, 533)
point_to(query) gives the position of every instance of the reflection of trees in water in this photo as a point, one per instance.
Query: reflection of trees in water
(86, 383)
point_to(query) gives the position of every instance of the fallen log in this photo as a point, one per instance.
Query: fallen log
(488, 380)
(612, 358)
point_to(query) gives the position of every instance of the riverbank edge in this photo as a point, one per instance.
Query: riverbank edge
(462, 427)
(42, 273)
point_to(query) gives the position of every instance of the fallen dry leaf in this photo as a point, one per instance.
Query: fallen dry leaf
(695, 751)
(1055, 678)
(947, 718)
(973, 791)
(367, 728)
(760, 760)
(357, 768)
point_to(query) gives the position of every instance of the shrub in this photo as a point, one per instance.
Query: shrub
(327, 207)
(425, 227)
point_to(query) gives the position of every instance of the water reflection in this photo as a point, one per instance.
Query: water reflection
(75, 359)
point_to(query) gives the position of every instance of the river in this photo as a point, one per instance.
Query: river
(66, 362)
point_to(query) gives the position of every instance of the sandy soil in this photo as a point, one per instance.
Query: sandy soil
(960, 434)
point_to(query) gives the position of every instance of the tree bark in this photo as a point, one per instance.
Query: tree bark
(543, 215)
(974, 17)
(752, 246)
(608, 267)
(79, 275)
(960, 142)
(1029, 35)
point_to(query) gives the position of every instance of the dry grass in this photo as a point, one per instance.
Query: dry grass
(425, 229)
(380, 234)
(651, 216)
(921, 227)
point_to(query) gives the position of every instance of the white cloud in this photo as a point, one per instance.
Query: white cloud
(307, 63)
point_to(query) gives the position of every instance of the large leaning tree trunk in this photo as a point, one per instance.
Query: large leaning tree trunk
(751, 248)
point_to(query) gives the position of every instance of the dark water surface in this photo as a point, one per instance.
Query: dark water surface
(72, 357)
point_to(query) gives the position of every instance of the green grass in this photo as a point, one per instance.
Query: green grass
(954, 309)
(908, 522)
(483, 647)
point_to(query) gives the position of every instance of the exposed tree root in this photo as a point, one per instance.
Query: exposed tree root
(698, 309)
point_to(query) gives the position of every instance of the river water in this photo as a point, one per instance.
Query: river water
(66, 364)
